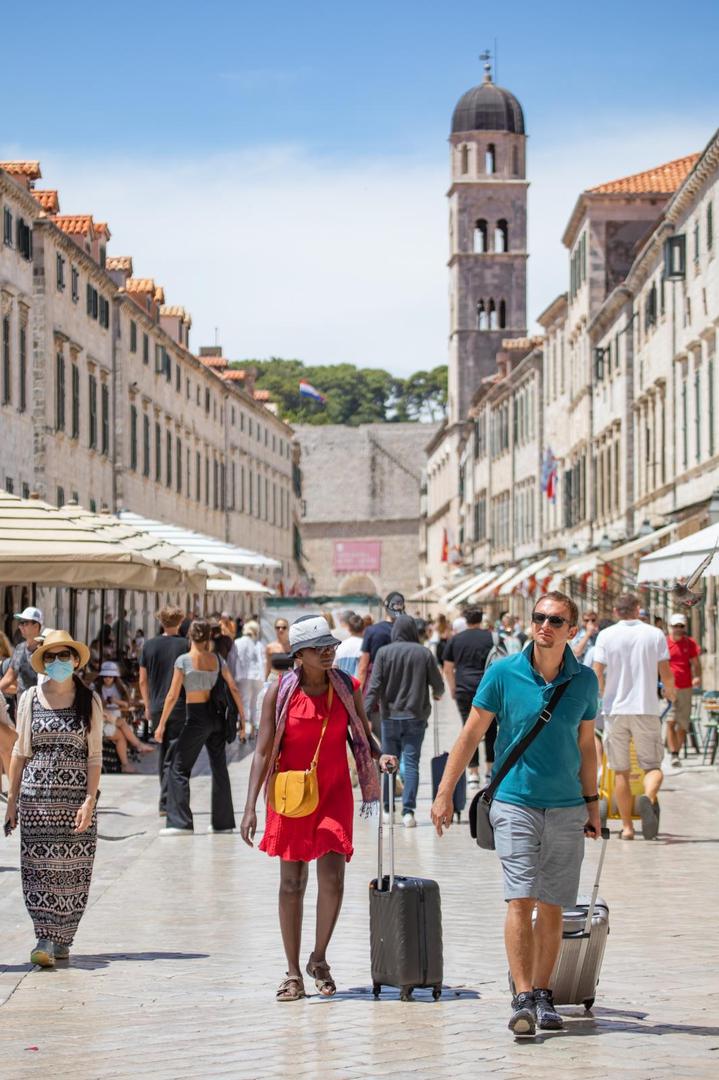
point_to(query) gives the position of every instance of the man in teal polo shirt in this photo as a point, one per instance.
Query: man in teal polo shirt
(545, 803)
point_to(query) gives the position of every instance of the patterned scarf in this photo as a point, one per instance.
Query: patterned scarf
(366, 769)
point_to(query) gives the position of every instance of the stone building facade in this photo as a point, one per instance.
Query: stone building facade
(361, 505)
(103, 402)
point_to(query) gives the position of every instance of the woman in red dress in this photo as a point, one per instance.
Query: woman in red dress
(294, 712)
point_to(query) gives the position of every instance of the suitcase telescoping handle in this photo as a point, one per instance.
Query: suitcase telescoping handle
(388, 778)
(595, 889)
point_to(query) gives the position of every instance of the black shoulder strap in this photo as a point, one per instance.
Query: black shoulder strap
(515, 754)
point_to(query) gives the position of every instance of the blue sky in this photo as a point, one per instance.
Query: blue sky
(281, 168)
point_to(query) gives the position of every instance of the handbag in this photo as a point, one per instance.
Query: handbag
(225, 709)
(480, 826)
(295, 792)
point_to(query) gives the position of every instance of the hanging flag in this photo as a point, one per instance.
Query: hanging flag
(445, 546)
(548, 476)
(308, 390)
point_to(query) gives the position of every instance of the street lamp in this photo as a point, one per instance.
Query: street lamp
(605, 544)
(645, 529)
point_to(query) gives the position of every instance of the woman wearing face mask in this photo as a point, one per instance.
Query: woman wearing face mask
(54, 778)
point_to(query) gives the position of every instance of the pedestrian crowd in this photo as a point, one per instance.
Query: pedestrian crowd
(331, 707)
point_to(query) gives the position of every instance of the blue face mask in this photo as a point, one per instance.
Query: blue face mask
(59, 670)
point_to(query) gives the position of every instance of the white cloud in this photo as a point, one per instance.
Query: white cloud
(293, 255)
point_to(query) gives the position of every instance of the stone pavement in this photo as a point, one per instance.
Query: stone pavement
(179, 954)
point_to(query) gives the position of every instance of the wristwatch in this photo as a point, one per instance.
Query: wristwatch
(587, 798)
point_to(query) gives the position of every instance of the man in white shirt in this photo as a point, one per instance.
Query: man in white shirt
(629, 658)
(348, 652)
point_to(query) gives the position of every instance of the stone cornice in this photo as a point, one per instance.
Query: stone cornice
(16, 191)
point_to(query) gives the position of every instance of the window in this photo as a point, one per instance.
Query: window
(22, 357)
(685, 424)
(92, 406)
(207, 400)
(480, 237)
(105, 419)
(133, 438)
(168, 461)
(178, 377)
(145, 445)
(501, 236)
(61, 496)
(25, 490)
(93, 506)
(75, 284)
(710, 227)
(158, 453)
(92, 301)
(502, 315)
(250, 501)
(492, 315)
(675, 255)
(696, 242)
(9, 485)
(178, 465)
(490, 159)
(59, 392)
(482, 318)
(133, 336)
(697, 415)
(198, 471)
(7, 227)
(6, 374)
(187, 388)
(60, 272)
(145, 349)
(242, 489)
(215, 488)
(650, 308)
(515, 161)
(104, 312)
(710, 403)
(75, 391)
(464, 157)
(24, 239)
(207, 480)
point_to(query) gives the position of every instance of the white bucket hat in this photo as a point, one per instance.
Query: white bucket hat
(310, 632)
(110, 668)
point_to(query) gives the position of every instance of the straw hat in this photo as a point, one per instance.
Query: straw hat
(54, 640)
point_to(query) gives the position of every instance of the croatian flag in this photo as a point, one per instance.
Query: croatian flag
(308, 390)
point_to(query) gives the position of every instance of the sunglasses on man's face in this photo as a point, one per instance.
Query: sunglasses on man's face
(64, 654)
(539, 619)
(281, 626)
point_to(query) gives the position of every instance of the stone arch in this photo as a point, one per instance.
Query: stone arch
(358, 583)
(501, 236)
(490, 159)
(481, 237)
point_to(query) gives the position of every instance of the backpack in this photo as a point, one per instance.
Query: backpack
(497, 652)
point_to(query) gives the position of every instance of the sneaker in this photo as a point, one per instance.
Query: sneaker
(169, 830)
(385, 817)
(473, 780)
(650, 819)
(676, 763)
(548, 1019)
(43, 954)
(408, 820)
(523, 1020)
(211, 829)
(62, 952)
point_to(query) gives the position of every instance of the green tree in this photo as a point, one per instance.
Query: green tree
(354, 395)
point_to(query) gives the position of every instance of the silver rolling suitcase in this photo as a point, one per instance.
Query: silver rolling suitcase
(584, 938)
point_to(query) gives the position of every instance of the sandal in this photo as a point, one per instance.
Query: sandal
(625, 836)
(319, 970)
(291, 989)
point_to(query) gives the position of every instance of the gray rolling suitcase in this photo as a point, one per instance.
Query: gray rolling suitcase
(584, 938)
(405, 927)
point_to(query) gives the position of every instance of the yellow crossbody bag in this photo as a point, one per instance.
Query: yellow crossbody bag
(295, 793)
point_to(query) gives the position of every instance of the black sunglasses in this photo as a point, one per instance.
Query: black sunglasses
(64, 654)
(539, 618)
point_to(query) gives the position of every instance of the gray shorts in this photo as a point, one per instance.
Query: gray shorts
(541, 851)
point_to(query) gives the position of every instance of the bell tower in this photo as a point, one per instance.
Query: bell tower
(487, 235)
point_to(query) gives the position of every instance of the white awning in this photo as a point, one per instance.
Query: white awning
(456, 589)
(236, 583)
(585, 564)
(491, 588)
(640, 543)
(469, 588)
(201, 545)
(429, 592)
(524, 575)
(681, 559)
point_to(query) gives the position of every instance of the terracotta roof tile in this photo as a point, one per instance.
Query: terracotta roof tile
(103, 229)
(261, 395)
(175, 311)
(48, 200)
(29, 169)
(215, 362)
(141, 285)
(662, 180)
(235, 375)
(119, 262)
(159, 295)
(75, 224)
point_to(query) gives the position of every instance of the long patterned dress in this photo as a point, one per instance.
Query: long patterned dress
(55, 862)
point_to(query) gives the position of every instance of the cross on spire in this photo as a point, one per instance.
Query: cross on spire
(486, 58)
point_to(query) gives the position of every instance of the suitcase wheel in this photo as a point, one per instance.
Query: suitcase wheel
(588, 1003)
(437, 992)
(405, 993)
(376, 989)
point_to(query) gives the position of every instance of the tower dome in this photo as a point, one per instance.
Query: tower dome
(488, 107)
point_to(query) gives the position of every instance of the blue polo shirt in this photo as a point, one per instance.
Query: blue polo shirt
(547, 774)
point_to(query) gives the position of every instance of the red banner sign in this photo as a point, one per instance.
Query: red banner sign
(357, 555)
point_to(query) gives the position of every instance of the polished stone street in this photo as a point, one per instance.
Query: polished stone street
(178, 957)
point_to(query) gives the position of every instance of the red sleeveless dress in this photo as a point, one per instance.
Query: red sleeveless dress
(329, 828)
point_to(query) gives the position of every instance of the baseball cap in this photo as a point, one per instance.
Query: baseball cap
(394, 602)
(30, 614)
(678, 620)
